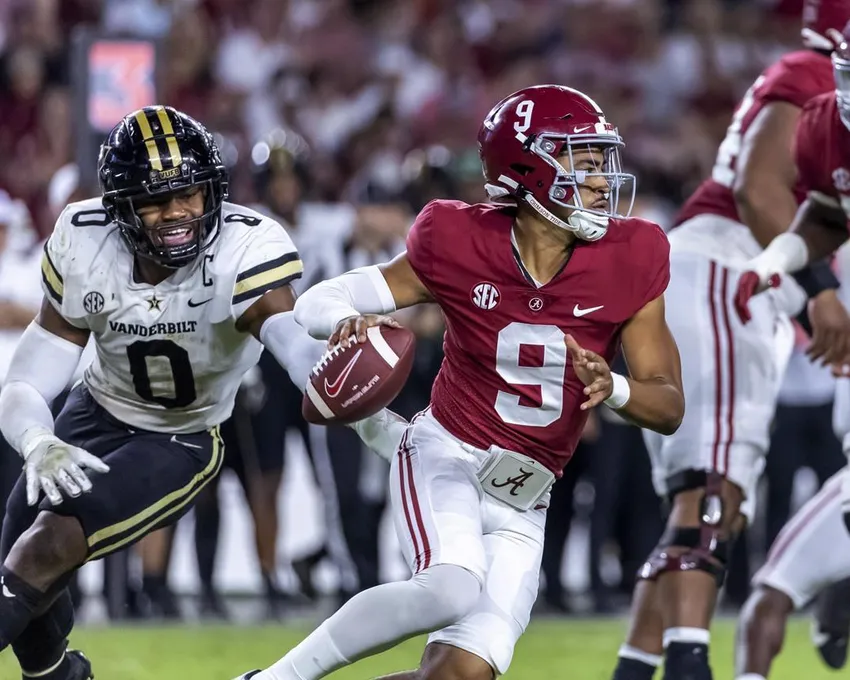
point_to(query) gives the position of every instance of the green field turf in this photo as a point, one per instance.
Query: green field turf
(551, 650)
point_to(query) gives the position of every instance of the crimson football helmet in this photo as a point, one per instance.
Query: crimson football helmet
(823, 22)
(523, 141)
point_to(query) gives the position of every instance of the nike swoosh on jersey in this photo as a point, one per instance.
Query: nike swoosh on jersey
(334, 388)
(6, 592)
(198, 304)
(174, 440)
(581, 312)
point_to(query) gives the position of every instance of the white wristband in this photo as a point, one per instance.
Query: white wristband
(786, 254)
(620, 392)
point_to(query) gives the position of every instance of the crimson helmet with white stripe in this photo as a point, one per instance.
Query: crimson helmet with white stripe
(523, 143)
(823, 22)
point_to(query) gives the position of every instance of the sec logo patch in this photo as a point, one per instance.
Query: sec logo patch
(485, 295)
(93, 302)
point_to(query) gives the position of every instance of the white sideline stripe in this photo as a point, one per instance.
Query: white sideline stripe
(381, 345)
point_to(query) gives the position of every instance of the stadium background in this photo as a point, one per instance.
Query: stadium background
(355, 113)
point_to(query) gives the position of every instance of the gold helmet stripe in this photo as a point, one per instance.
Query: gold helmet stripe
(168, 130)
(150, 142)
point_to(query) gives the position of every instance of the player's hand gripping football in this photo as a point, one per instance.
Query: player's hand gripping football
(593, 371)
(751, 284)
(51, 464)
(355, 327)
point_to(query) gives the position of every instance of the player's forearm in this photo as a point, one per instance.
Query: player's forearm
(41, 368)
(655, 404)
(294, 350)
(822, 224)
(767, 209)
(361, 291)
(817, 231)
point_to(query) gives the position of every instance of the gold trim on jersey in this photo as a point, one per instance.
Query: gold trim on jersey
(267, 276)
(51, 277)
(150, 142)
(168, 130)
(145, 521)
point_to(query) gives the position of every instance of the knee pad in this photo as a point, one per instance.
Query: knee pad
(699, 556)
(450, 591)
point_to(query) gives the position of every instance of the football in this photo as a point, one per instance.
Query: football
(355, 382)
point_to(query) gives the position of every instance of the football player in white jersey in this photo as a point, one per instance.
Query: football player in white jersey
(178, 289)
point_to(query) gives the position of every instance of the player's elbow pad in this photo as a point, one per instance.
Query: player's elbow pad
(42, 366)
(360, 291)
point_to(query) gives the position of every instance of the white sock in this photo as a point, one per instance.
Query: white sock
(751, 676)
(699, 636)
(316, 656)
(380, 618)
(629, 652)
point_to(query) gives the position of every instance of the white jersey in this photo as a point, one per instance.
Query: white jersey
(168, 357)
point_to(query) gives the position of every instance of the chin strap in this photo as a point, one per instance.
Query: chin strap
(584, 225)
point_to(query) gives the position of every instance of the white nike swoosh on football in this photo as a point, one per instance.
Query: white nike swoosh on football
(334, 388)
(174, 440)
(581, 312)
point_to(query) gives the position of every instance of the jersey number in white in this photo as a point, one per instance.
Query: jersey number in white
(549, 376)
(181, 371)
(730, 148)
(523, 111)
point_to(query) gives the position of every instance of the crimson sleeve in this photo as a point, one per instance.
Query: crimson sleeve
(658, 270)
(798, 85)
(420, 245)
(809, 151)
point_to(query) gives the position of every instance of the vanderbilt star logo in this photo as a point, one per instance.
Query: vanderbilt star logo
(154, 302)
(516, 482)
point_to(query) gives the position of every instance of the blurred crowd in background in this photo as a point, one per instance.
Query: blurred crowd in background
(343, 118)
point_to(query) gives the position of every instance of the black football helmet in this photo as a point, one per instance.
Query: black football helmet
(158, 150)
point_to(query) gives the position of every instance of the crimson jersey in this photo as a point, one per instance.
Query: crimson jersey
(822, 151)
(506, 378)
(795, 78)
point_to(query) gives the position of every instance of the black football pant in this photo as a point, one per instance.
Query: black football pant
(153, 480)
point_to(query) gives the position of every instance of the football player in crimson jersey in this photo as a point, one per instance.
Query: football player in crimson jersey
(731, 372)
(822, 155)
(538, 290)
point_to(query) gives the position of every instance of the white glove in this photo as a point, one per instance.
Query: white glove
(48, 462)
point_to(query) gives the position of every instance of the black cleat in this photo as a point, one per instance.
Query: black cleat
(80, 666)
(212, 608)
(832, 647)
(73, 666)
(831, 626)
